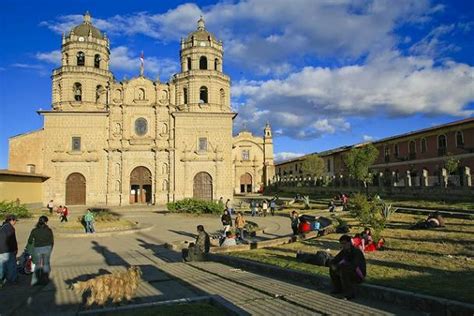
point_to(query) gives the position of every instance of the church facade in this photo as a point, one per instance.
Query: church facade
(141, 141)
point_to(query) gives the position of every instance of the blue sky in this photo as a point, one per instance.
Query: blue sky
(324, 73)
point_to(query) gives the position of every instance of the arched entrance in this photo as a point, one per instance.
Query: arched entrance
(75, 189)
(202, 187)
(140, 186)
(245, 183)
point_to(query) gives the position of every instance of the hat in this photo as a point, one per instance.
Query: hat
(11, 217)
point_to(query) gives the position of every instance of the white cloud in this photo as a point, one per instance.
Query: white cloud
(263, 34)
(53, 57)
(367, 138)
(122, 59)
(283, 156)
(317, 100)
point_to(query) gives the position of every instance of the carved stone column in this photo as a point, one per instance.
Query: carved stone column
(444, 177)
(467, 182)
(408, 179)
(424, 178)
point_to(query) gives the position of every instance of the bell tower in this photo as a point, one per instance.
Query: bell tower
(82, 81)
(201, 85)
(269, 166)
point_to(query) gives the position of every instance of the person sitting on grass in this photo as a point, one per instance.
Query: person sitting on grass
(368, 243)
(358, 242)
(347, 269)
(434, 220)
(304, 226)
(229, 240)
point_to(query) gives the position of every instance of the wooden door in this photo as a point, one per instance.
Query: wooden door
(202, 187)
(245, 183)
(140, 178)
(75, 189)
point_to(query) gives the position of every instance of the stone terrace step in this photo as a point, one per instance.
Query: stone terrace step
(252, 301)
(303, 296)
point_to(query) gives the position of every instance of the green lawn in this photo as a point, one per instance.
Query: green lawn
(436, 262)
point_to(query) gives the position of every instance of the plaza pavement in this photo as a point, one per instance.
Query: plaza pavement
(166, 278)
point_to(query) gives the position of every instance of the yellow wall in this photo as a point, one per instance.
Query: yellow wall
(28, 190)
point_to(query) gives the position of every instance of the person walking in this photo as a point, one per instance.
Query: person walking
(42, 241)
(264, 208)
(50, 206)
(221, 203)
(89, 220)
(240, 224)
(8, 251)
(295, 221)
(226, 221)
(229, 207)
(272, 207)
(347, 269)
(253, 208)
(64, 214)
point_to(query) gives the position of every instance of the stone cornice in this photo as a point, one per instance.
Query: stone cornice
(418, 161)
(191, 114)
(44, 112)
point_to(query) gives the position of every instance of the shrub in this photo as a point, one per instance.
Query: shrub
(193, 206)
(373, 213)
(13, 208)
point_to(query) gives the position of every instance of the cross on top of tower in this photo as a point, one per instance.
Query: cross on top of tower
(201, 24)
(87, 17)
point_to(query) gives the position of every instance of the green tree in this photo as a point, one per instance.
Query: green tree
(313, 166)
(451, 164)
(358, 161)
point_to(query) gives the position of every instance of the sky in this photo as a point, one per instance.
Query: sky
(324, 73)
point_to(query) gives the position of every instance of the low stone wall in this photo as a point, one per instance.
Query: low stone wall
(425, 193)
(413, 301)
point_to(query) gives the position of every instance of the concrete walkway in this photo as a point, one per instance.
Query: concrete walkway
(165, 277)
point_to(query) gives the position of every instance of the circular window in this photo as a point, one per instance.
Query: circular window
(141, 126)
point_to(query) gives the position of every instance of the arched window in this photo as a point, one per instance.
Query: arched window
(77, 89)
(165, 185)
(189, 63)
(459, 139)
(222, 95)
(97, 61)
(412, 149)
(140, 94)
(442, 145)
(216, 64)
(396, 150)
(99, 92)
(203, 62)
(424, 147)
(81, 59)
(66, 59)
(185, 95)
(203, 95)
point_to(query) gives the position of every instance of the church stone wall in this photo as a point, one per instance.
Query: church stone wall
(26, 149)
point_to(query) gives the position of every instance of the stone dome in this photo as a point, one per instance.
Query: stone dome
(201, 34)
(87, 28)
